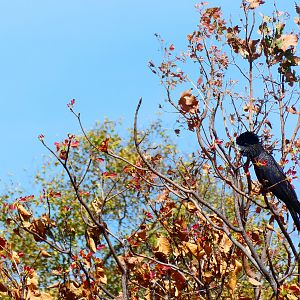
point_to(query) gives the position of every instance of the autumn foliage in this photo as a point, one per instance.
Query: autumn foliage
(135, 218)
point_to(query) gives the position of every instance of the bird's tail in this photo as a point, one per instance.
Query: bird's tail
(296, 217)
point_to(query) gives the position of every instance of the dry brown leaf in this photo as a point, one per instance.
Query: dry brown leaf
(297, 143)
(194, 249)
(56, 272)
(287, 40)
(91, 244)
(163, 196)
(163, 245)
(32, 281)
(246, 107)
(15, 257)
(15, 293)
(188, 102)
(25, 214)
(44, 253)
(74, 291)
(216, 220)
(206, 168)
(147, 296)
(223, 267)
(291, 297)
(97, 205)
(231, 119)
(92, 238)
(255, 3)
(232, 282)
(295, 288)
(38, 227)
(254, 281)
(225, 244)
(190, 206)
(134, 260)
(48, 221)
(179, 280)
(54, 285)
(3, 288)
(292, 110)
(101, 277)
(40, 296)
(207, 276)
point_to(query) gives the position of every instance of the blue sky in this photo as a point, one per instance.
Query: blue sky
(91, 50)
(94, 51)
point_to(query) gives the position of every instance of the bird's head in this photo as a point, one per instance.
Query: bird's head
(247, 143)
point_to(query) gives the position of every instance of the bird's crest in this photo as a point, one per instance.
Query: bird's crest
(247, 138)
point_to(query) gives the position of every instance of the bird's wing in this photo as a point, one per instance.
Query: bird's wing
(271, 176)
(267, 170)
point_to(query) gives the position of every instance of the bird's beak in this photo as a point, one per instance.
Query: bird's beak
(243, 150)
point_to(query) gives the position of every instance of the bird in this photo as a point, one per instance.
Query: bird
(269, 174)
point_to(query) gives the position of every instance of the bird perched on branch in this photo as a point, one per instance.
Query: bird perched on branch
(269, 173)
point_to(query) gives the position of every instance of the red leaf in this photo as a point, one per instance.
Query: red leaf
(200, 80)
(71, 103)
(84, 193)
(104, 146)
(54, 194)
(109, 175)
(74, 144)
(26, 198)
(2, 242)
(100, 247)
(57, 145)
(41, 137)
(148, 214)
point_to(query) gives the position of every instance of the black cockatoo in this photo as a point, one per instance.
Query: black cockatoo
(269, 173)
